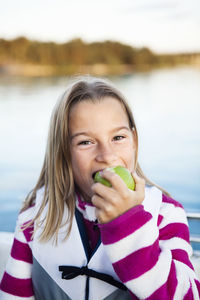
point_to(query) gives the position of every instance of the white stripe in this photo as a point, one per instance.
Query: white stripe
(26, 215)
(149, 282)
(6, 296)
(195, 291)
(152, 201)
(133, 242)
(19, 235)
(18, 269)
(22, 218)
(176, 243)
(172, 214)
(184, 276)
(30, 244)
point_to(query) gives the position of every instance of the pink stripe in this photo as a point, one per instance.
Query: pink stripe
(92, 232)
(21, 251)
(133, 297)
(28, 231)
(175, 230)
(198, 286)
(124, 225)
(160, 218)
(182, 256)
(137, 263)
(167, 290)
(16, 287)
(189, 295)
(82, 204)
(167, 199)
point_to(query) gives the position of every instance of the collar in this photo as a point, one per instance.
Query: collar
(87, 209)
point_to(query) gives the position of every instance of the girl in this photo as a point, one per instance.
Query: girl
(91, 241)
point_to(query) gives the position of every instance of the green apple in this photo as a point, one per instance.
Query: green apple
(122, 172)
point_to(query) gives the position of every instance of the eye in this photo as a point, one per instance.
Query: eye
(84, 143)
(118, 137)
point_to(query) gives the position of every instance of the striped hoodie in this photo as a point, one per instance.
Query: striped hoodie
(151, 258)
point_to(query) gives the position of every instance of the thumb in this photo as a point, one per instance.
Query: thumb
(139, 182)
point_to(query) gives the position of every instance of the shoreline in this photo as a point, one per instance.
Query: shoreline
(32, 70)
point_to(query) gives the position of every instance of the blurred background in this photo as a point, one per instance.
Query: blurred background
(149, 48)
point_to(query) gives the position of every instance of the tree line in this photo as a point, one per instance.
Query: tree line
(77, 52)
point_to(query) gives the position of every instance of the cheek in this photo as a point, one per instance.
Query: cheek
(79, 164)
(76, 163)
(129, 153)
(128, 148)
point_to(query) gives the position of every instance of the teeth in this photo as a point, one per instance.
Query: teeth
(108, 168)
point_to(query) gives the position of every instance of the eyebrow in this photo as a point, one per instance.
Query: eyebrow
(88, 133)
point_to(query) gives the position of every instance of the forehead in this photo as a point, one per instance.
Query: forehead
(106, 111)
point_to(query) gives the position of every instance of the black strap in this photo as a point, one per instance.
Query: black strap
(70, 272)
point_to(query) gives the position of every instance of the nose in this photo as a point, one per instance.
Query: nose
(105, 154)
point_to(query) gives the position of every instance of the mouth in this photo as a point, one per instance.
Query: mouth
(108, 167)
(93, 174)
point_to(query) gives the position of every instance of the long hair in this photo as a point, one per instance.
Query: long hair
(56, 176)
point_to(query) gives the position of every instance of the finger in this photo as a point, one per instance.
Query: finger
(115, 180)
(100, 216)
(104, 211)
(103, 191)
(98, 201)
(139, 188)
(139, 182)
(108, 196)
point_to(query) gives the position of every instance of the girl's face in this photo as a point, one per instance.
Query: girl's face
(100, 137)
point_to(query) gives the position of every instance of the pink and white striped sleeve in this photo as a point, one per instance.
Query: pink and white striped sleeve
(152, 260)
(16, 283)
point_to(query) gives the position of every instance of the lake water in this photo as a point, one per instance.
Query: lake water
(166, 105)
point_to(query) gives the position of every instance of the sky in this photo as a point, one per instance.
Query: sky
(164, 26)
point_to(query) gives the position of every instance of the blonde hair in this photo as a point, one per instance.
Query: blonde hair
(56, 176)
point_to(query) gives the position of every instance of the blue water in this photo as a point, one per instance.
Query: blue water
(166, 106)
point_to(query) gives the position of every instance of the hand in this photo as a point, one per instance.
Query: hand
(111, 202)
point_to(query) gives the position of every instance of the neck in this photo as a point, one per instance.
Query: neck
(83, 195)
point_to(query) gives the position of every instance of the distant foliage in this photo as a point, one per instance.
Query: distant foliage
(76, 53)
